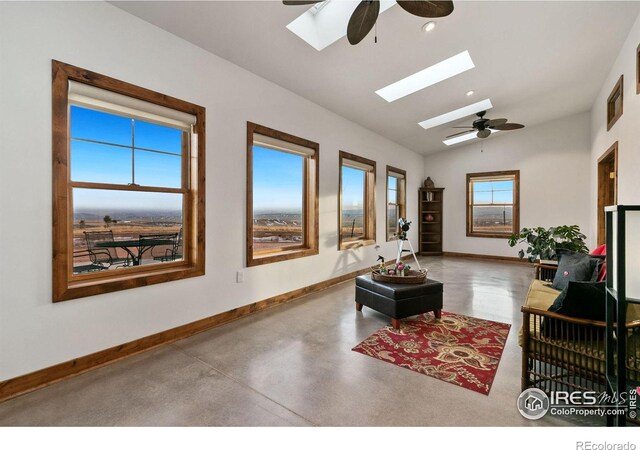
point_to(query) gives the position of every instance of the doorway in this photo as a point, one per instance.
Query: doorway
(607, 185)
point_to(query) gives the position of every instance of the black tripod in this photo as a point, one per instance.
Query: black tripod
(402, 238)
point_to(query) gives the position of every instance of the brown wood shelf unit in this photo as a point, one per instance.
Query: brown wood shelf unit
(430, 206)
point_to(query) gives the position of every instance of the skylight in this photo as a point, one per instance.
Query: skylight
(326, 22)
(464, 137)
(427, 77)
(456, 114)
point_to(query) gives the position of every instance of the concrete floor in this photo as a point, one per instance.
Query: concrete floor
(293, 365)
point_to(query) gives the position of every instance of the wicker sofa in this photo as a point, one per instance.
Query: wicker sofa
(573, 358)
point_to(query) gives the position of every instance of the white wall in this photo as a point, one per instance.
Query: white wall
(626, 130)
(553, 160)
(34, 332)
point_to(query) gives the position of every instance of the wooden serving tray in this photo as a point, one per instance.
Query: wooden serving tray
(414, 277)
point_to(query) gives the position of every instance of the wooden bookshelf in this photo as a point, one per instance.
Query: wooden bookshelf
(430, 212)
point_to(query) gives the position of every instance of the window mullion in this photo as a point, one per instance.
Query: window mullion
(365, 205)
(133, 151)
(305, 201)
(126, 187)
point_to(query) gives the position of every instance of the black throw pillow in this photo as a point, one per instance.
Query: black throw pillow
(574, 266)
(580, 299)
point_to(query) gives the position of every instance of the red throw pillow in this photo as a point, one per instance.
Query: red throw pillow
(601, 250)
(603, 272)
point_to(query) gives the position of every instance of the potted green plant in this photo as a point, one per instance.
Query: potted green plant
(543, 243)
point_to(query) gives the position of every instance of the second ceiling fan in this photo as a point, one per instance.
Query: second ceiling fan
(365, 15)
(484, 126)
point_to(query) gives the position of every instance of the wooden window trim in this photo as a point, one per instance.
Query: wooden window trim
(638, 70)
(401, 189)
(369, 201)
(310, 203)
(516, 203)
(67, 286)
(611, 153)
(612, 114)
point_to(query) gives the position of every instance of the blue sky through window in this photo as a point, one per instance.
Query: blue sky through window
(105, 201)
(352, 189)
(392, 182)
(277, 181)
(107, 161)
(491, 192)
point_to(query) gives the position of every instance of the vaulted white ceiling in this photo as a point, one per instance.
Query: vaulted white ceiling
(536, 61)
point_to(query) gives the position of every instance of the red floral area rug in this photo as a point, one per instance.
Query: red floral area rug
(457, 349)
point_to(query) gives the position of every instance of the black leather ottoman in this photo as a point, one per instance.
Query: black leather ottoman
(399, 300)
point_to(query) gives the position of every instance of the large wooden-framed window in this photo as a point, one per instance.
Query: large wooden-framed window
(396, 200)
(493, 204)
(282, 196)
(128, 185)
(356, 201)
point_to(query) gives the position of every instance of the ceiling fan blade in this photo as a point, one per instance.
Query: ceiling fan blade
(425, 8)
(301, 2)
(484, 133)
(459, 134)
(508, 126)
(495, 122)
(362, 20)
(471, 128)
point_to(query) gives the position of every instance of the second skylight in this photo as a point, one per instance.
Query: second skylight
(427, 77)
(456, 114)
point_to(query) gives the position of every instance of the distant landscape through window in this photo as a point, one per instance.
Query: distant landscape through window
(109, 149)
(353, 198)
(396, 200)
(493, 204)
(357, 224)
(278, 199)
(128, 187)
(282, 196)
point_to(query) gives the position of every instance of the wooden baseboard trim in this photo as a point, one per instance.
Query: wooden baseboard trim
(39, 379)
(509, 259)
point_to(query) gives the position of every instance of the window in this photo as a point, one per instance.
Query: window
(638, 70)
(357, 222)
(282, 196)
(493, 205)
(128, 194)
(396, 199)
(614, 103)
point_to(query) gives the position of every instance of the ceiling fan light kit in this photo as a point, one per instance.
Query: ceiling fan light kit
(429, 26)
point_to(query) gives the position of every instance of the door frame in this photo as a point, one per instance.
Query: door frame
(603, 186)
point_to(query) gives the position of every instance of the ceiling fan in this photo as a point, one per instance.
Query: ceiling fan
(365, 15)
(484, 126)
